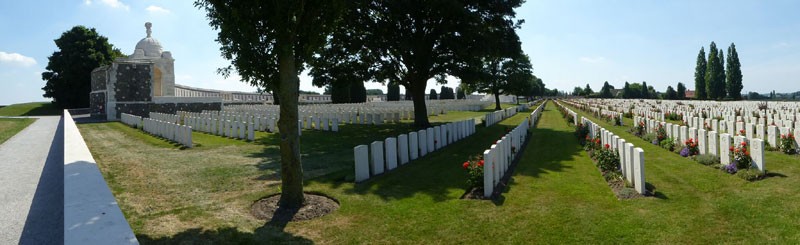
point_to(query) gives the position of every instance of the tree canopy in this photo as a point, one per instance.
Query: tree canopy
(68, 73)
(405, 42)
(501, 76)
(268, 44)
(733, 74)
(681, 93)
(700, 76)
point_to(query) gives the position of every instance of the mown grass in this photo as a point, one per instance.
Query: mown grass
(31, 109)
(164, 188)
(556, 195)
(11, 126)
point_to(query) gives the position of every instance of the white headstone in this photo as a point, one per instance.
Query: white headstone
(757, 153)
(724, 149)
(391, 153)
(413, 146)
(402, 148)
(377, 163)
(488, 176)
(638, 158)
(361, 156)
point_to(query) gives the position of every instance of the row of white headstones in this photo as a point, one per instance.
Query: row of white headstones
(404, 108)
(168, 130)
(781, 114)
(381, 156)
(631, 159)
(495, 117)
(710, 142)
(498, 158)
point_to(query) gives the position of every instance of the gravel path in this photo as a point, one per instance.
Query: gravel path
(32, 186)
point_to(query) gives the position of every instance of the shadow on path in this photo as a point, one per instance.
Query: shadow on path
(45, 221)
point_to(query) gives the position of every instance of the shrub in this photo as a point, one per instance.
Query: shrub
(707, 159)
(638, 130)
(751, 174)
(617, 121)
(649, 137)
(786, 143)
(684, 152)
(607, 159)
(691, 145)
(740, 156)
(612, 176)
(668, 143)
(474, 168)
(582, 132)
(661, 133)
(731, 168)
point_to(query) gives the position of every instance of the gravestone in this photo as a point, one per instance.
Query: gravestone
(724, 148)
(361, 156)
(495, 163)
(423, 142)
(413, 146)
(391, 153)
(621, 151)
(713, 143)
(488, 175)
(757, 153)
(629, 162)
(431, 135)
(639, 171)
(376, 158)
(402, 149)
(701, 141)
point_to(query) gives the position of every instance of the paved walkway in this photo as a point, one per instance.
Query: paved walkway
(32, 185)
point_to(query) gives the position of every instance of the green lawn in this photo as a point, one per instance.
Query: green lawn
(11, 126)
(203, 194)
(30, 109)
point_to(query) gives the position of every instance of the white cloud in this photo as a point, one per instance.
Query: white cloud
(592, 59)
(156, 10)
(16, 59)
(111, 3)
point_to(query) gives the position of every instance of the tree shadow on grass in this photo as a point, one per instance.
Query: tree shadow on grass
(267, 234)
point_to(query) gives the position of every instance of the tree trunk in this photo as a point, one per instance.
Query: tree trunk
(291, 168)
(420, 110)
(497, 101)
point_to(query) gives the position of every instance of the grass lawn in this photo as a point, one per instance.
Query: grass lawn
(203, 194)
(11, 126)
(30, 109)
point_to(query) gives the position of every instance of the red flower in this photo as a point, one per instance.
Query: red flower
(465, 165)
(731, 149)
(744, 143)
(587, 137)
(480, 163)
(597, 141)
(607, 146)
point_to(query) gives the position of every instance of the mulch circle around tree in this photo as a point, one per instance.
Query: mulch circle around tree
(316, 206)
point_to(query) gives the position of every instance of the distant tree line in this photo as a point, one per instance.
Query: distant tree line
(713, 79)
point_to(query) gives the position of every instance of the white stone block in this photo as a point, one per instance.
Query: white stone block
(431, 138)
(335, 125)
(423, 142)
(495, 164)
(251, 132)
(488, 176)
(713, 143)
(402, 148)
(757, 153)
(376, 163)
(629, 162)
(724, 148)
(702, 141)
(361, 156)
(638, 170)
(390, 147)
(413, 146)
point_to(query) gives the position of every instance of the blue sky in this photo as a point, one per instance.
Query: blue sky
(571, 43)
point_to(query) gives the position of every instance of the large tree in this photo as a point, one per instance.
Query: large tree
(268, 44)
(587, 91)
(501, 76)
(69, 70)
(733, 74)
(414, 41)
(700, 76)
(645, 91)
(433, 95)
(670, 94)
(605, 92)
(393, 92)
(715, 74)
(627, 93)
(681, 91)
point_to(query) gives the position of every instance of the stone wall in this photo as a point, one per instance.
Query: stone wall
(133, 82)
(144, 109)
(97, 103)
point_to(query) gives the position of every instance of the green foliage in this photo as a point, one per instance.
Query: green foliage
(269, 43)
(587, 90)
(340, 92)
(733, 74)
(446, 93)
(645, 91)
(607, 160)
(474, 167)
(786, 143)
(605, 92)
(715, 74)
(68, 76)
(668, 143)
(700, 76)
(707, 159)
(750, 174)
(681, 91)
(671, 94)
(393, 92)
(358, 93)
(433, 95)
(374, 91)
(508, 74)
(460, 94)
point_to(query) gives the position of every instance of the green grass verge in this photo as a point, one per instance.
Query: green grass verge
(11, 126)
(31, 109)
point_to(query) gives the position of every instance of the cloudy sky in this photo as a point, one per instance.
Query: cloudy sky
(571, 43)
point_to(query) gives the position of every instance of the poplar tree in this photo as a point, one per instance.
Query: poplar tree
(699, 76)
(733, 74)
